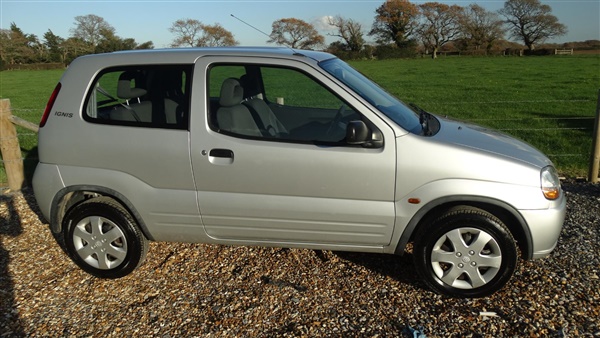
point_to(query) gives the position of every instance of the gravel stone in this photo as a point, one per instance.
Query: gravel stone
(200, 290)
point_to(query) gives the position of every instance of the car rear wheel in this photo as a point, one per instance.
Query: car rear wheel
(103, 238)
(466, 252)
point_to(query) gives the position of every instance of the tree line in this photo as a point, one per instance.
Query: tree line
(400, 27)
(90, 34)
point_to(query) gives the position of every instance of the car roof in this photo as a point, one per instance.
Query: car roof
(191, 54)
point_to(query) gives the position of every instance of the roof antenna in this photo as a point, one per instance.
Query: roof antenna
(235, 17)
(244, 22)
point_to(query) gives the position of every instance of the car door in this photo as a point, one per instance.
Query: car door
(290, 188)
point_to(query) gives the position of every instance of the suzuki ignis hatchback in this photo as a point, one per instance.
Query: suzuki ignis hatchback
(286, 148)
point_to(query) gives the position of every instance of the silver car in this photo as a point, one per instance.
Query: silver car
(286, 148)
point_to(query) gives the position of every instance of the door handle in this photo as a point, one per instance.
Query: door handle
(221, 153)
(220, 156)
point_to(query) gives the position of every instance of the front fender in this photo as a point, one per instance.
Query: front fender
(501, 199)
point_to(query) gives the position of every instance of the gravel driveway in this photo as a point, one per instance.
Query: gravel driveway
(218, 291)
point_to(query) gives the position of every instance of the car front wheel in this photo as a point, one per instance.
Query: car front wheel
(465, 252)
(103, 239)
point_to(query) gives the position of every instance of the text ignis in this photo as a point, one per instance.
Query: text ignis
(63, 114)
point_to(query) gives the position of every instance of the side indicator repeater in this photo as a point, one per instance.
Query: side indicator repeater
(414, 200)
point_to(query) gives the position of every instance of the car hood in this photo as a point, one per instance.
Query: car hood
(490, 141)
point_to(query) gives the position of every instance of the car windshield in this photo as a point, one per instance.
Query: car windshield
(375, 95)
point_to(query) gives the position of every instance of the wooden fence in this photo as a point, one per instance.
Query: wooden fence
(13, 160)
(9, 145)
(595, 158)
(563, 51)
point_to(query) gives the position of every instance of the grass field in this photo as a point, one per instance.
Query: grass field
(547, 101)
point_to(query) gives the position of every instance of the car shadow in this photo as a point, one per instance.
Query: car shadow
(29, 164)
(398, 268)
(10, 226)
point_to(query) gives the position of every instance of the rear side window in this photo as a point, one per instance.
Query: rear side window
(141, 96)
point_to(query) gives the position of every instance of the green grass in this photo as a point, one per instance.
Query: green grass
(549, 102)
(28, 91)
(527, 97)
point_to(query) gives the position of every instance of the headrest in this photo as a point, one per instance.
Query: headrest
(124, 89)
(232, 93)
(250, 85)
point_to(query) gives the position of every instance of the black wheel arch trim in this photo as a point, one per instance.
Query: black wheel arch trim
(56, 217)
(468, 200)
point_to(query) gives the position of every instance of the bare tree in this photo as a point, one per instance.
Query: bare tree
(193, 33)
(531, 22)
(89, 28)
(480, 28)
(396, 21)
(295, 33)
(441, 24)
(187, 32)
(350, 31)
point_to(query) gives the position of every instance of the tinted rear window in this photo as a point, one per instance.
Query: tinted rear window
(155, 96)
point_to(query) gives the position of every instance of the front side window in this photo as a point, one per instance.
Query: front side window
(276, 104)
(141, 96)
(375, 95)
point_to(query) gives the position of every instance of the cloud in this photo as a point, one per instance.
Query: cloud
(322, 23)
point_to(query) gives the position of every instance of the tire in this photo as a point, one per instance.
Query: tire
(103, 239)
(466, 252)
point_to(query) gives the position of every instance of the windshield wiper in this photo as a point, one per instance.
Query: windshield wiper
(424, 118)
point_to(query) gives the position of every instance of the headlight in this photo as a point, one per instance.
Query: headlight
(550, 183)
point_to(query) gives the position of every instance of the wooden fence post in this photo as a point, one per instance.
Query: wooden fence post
(9, 146)
(595, 158)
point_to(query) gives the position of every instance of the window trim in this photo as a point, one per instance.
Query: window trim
(211, 115)
(184, 67)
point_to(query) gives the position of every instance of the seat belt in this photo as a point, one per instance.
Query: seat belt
(257, 120)
(105, 93)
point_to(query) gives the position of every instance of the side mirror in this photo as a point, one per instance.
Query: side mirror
(357, 133)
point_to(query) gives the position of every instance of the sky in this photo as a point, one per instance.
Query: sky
(149, 20)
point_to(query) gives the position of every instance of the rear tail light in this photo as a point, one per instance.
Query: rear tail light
(49, 105)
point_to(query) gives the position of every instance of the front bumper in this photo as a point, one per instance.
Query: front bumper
(545, 227)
